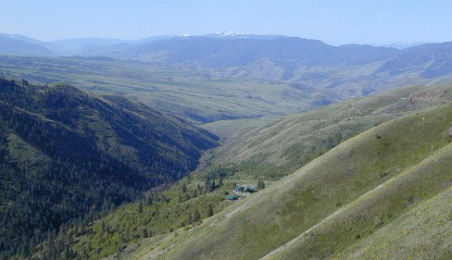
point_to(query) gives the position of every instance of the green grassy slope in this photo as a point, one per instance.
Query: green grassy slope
(372, 210)
(423, 232)
(406, 158)
(65, 153)
(278, 148)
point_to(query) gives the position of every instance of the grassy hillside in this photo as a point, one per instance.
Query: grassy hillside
(65, 153)
(423, 232)
(275, 148)
(336, 200)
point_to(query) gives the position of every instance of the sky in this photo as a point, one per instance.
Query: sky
(335, 22)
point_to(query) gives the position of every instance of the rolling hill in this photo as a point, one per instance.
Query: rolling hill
(65, 153)
(181, 91)
(205, 97)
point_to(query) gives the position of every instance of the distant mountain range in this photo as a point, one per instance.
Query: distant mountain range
(403, 45)
(269, 57)
(108, 46)
(16, 44)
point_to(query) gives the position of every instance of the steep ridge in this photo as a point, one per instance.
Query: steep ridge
(65, 153)
(368, 181)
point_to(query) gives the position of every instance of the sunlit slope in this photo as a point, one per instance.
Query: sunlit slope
(409, 157)
(276, 149)
(425, 232)
(371, 211)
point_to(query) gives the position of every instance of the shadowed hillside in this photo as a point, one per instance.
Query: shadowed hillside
(65, 153)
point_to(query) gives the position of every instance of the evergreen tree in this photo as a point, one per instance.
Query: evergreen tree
(190, 218)
(207, 185)
(212, 186)
(140, 207)
(196, 216)
(260, 184)
(210, 210)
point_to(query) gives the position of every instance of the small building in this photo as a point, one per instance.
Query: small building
(244, 188)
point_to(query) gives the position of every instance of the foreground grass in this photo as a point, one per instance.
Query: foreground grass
(374, 209)
(423, 232)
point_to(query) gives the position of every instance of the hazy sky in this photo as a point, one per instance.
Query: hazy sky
(347, 21)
